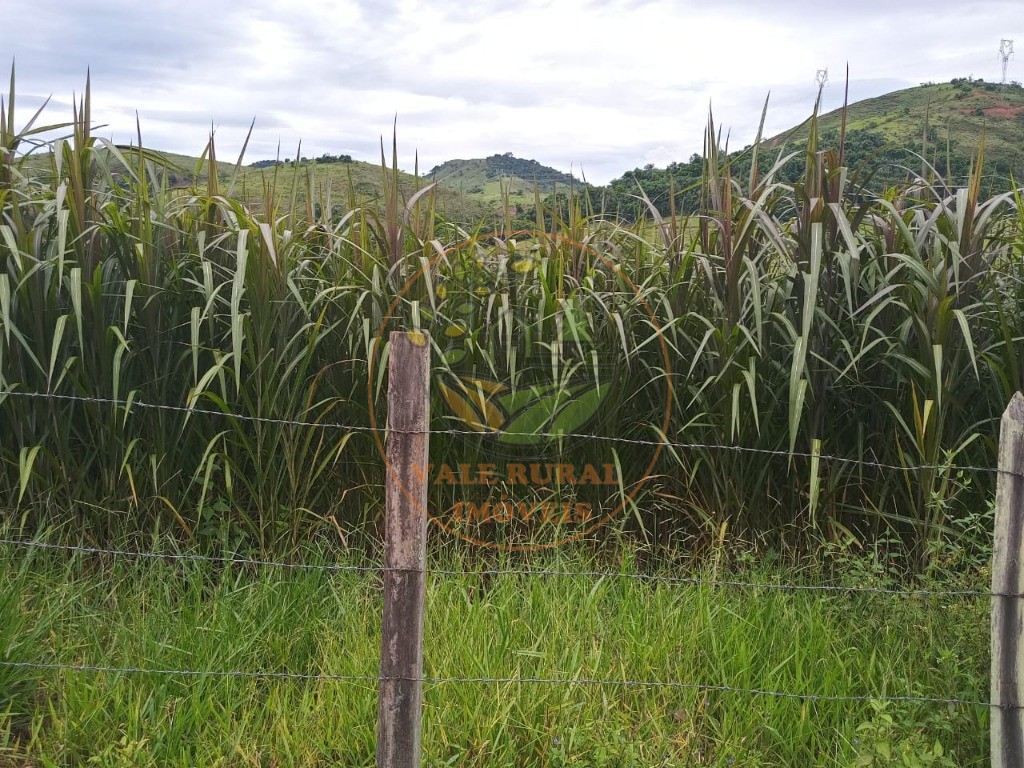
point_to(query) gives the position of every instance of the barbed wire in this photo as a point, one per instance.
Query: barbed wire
(492, 572)
(193, 558)
(183, 409)
(436, 680)
(664, 443)
(696, 581)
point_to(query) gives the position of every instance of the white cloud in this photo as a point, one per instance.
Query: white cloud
(603, 84)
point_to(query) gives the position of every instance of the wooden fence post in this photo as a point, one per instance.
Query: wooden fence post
(401, 655)
(1006, 723)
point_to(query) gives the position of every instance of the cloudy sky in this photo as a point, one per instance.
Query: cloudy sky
(598, 85)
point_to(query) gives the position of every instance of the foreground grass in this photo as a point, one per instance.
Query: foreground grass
(160, 615)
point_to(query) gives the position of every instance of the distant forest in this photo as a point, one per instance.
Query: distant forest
(323, 159)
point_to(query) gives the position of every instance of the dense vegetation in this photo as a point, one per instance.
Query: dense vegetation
(791, 314)
(795, 317)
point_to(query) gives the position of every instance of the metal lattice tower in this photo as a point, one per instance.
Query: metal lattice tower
(822, 77)
(1005, 52)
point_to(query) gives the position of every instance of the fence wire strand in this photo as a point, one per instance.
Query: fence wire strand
(191, 558)
(436, 680)
(490, 432)
(129, 404)
(491, 572)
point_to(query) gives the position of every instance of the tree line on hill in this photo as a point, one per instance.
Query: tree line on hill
(876, 164)
(324, 159)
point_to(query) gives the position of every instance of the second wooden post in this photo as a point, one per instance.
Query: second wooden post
(1007, 716)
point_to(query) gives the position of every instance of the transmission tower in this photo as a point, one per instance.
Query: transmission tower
(1005, 52)
(822, 77)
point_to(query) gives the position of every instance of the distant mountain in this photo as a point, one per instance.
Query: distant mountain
(886, 138)
(485, 178)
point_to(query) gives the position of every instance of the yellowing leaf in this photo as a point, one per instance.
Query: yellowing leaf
(473, 407)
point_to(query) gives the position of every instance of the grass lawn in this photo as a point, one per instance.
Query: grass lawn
(57, 608)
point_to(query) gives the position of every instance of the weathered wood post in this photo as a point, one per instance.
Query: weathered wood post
(1007, 726)
(401, 654)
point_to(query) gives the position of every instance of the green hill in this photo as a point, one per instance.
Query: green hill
(337, 184)
(489, 179)
(355, 183)
(942, 122)
(468, 191)
(886, 138)
(337, 181)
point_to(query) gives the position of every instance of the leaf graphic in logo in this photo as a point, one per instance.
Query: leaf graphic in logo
(549, 410)
(579, 410)
(455, 356)
(528, 422)
(513, 402)
(473, 402)
(526, 416)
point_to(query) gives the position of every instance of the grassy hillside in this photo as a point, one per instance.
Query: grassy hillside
(962, 110)
(490, 179)
(467, 190)
(886, 138)
(334, 186)
(944, 122)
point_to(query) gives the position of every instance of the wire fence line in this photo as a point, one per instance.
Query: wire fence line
(508, 680)
(490, 572)
(702, 688)
(190, 410)
(435, 680)
(663, 443)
